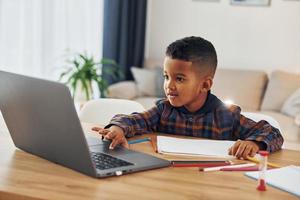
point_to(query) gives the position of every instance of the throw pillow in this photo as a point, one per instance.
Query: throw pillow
(123, 89)
(244, 87)
(149, 81)
(159, 88)
(291, 106)
(281, 85)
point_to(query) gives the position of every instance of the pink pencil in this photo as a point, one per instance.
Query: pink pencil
(240, 169)
(227, 167)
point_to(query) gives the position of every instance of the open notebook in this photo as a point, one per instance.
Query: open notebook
(285, 178)
(178, 146)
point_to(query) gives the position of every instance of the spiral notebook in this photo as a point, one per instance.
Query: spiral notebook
(285, 178)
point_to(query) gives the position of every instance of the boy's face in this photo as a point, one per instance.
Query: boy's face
(184, 85)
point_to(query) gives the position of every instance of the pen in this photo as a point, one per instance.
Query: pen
(253, 159)
(139, 141)
(223, 167)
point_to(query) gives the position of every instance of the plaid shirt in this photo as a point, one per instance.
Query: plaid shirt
(213, 120)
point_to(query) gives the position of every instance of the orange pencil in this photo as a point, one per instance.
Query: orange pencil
(153, 143)
(255, 160)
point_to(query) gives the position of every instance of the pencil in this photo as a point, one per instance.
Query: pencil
(255, 168)
(240, 169)
(139, 140)
(223, 167)
(199, 161)
(252, 159)
(153, 143)
(202, 165)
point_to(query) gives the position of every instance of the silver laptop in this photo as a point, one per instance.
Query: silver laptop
(42, 120)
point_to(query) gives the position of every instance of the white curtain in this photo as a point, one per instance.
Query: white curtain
(35, 35)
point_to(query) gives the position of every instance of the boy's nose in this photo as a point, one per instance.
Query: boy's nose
(170, 85)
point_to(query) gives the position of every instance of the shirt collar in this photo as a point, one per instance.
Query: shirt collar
(211, 103)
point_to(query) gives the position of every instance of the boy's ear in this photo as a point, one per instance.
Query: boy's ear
(207, 84)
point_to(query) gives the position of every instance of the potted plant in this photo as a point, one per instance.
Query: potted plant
(82, 70)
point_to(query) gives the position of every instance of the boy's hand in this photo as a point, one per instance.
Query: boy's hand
(114, 133)
(243, 148)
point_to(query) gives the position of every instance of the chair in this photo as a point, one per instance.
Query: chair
(100, 111)
(258, 116)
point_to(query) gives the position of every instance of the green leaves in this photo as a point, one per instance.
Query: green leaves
(83, 70)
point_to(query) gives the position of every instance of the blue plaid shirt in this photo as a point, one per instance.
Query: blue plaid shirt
(214, 120)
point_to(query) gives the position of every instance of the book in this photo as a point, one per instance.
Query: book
(179, 146)
(285, 178)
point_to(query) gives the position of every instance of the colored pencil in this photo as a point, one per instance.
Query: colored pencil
(203, 165)
(255, 168)
(252, 159)
(139, 140)
(153, 143)
(223, 167)
(199, 161)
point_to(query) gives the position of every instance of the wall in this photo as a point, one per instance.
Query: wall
(250, 37)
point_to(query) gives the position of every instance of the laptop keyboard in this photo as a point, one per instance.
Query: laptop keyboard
(104, 161)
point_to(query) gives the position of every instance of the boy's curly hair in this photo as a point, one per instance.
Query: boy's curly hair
(196, 50)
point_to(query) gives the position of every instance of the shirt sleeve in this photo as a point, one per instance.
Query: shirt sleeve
(138, 123)
(246, 129)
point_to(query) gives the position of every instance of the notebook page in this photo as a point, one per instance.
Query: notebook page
(215, 148)
(285, 178)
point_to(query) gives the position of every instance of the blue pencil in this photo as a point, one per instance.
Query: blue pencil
(139, 140)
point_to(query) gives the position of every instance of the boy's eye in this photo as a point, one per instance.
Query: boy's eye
(180, 79)
(166, 77)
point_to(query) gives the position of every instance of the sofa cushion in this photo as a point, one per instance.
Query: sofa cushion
(291, 106)
(297, 120)
(147, 102)
(149, 81)
(244, 87)
(281, 86)
(122, 90)
(289, 130)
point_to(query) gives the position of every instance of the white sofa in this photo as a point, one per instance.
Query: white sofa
(253, 91)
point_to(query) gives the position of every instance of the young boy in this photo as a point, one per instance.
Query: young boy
(191, 110)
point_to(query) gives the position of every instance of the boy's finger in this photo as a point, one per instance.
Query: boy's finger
(96, 128)
(125, 143)
(247, 151)
(230, 151)
(114, 143)
(253, 152)
(240, 150)
(101, 131)
(104, 131)
(235, 147)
